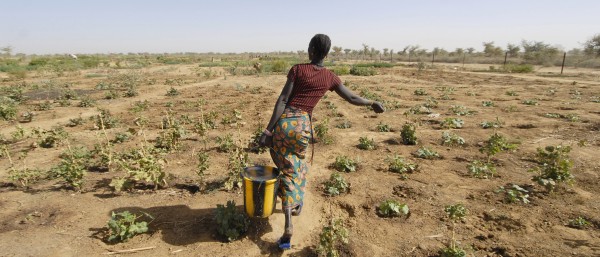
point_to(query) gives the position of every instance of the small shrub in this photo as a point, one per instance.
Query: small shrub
(461, 110)
(453, 251)
(123, 226)
(381, 127)
(341, 70)
(8, 109)
(511, 93)
(492, 124)
(392, 208)
(331, 237)
(487, 104)
(496, 144)
(51, 138)
(87, 102)
(279, 66)
(418, 109)
(105, 120)
(238, 160)
(74, 122)
(142, 164)
(554, 166)
(514, 194)
(225, 143)
(519, 68)
(172, 92)
(365, 143)
(322, 132)
(397, 164)
(25, 176)
(456, 212)
(481, 169)
(530, 102)
(362, 71)
(427, 153)
(231, 223)
(121, 137)
(408, 134)
(452, 123)
(579, 223)
(73, 166)
(451, 139)
(336, 185)
(203, 164)
(44, 106)
(420, 91)
(344, 125)
(345, 164)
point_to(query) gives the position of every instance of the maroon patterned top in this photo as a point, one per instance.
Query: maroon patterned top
(310, 84)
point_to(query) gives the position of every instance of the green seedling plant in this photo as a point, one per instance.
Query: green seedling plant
(254, 145)
(531, 102)
(397, 164)
(344, 125)
(322, 132)
(461, 110)
(427, 153)
(511, 93)
(124, 225)
(420, 91)
(73, 166)
(496, 144)
(365, 143)
(579, 223)
(51, 138)
(172, 92)
(451, 139)
(452, 123)
(172, 134)
(336, 185)
(231, 223)
(105, 119)
(492, 124)
(408, 134)
(345, 164)
(142, 164)
(225, 143)
(553, 166)
(238, 160)
(25, 175)
(514, 194)
(332, 236)
(480, 169)
(418, 109)
(487, 104)
(392, 208)
(381, 127)
(455, 213)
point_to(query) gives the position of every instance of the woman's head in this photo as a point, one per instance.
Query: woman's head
(319, 46)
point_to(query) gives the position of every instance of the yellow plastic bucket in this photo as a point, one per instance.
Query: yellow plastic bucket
(260, 190)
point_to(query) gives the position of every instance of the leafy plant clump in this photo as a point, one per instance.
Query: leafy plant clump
(362, 71)
(322, 132)
(397, 164)
(25, 176)
(420, 91)
(496, 144)
(456, 212)
(381, 127)
(451, 139)
(72, 167)
(530, 102)
(408, 134)
(487, 104)
(481, 169)
(427, 153)
(461, 110)
(452, 123)
(123, 226)
(365, 143)
(172, 92)
(579, 223)
(225, 143)
(345, 164)
(554, 166)
(492, 124)
(336, 185)
(331, 238)
(143, 164)
(231, 223)
(392, 208)
(515, 194)
(238, 160)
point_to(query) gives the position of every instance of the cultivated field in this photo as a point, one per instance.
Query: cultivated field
(170, 117)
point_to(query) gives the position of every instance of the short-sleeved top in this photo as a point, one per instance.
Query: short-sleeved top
(310, 85)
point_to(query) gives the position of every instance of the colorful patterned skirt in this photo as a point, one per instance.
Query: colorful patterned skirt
(291, 137)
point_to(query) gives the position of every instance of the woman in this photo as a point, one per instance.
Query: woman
(290, 128)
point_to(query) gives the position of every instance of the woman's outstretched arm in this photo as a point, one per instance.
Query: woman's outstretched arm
(350, 97)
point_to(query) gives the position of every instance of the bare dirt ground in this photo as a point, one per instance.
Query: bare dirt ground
(48, 219)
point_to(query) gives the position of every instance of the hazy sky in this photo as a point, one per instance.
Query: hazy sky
(111, 26)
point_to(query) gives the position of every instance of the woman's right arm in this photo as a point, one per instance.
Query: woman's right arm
(352, 98)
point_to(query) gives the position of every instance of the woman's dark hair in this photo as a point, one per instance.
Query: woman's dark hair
(320, 44)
